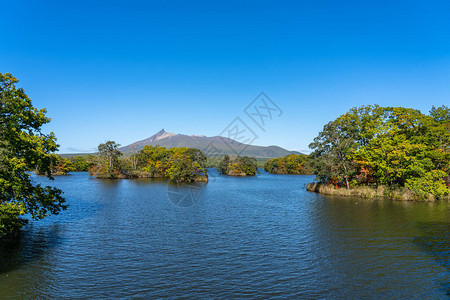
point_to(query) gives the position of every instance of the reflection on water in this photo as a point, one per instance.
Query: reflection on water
(27, 248)
(260, 237)
(185, 194)
(435, 240)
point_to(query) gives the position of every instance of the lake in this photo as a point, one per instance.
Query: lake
(263, 236)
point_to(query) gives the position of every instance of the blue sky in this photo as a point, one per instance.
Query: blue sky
(122, 70)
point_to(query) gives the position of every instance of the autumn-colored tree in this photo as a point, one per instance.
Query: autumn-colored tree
(176, 164)
(60, 166)
(392, 146)
(290, 164)
(185, 165)
(331, 150)
(238, 166)
(108, 165)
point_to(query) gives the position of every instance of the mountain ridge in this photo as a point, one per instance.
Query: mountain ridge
(211, 146)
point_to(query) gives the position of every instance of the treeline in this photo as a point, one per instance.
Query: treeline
(290, 164)
(177, 164)
(63, 165)
(393, 147)
(238, 166)
(214, 161)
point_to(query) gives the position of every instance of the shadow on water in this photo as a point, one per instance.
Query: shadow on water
(435, 241)
(29, 246)
(185, 194)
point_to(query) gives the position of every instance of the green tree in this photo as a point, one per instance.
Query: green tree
(239, 166)
(24, 147)
(60, 166)
(153, 159)
(197, 155)
(440, 114)
(392, 146)
(109, 151)
(248, 165)
(290, 164)
(81, 163)
(223, 165)
(108, 165)
(330, 157)
(177, 164)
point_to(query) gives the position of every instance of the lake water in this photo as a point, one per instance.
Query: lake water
(232, 238)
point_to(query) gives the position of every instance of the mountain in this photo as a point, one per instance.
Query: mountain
(211, 146)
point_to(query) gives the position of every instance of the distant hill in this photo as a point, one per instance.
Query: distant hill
(211, 146)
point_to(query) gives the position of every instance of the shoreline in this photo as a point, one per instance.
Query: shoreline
(366, 192)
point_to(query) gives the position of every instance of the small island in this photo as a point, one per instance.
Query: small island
(238, 166)
(60, 166)
(176, 164)
(293, 164)
(394, 152)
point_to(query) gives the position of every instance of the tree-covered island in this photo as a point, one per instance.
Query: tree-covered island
(291, 164)
(176, 164)
(384, 151)
(238, 166)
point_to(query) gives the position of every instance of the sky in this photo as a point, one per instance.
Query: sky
(123, 70)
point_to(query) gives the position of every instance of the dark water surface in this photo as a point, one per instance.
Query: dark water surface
(245, 237)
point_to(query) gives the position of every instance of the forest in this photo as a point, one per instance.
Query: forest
(291, 164)
(238, 166)
(397, 152)
(176, 164)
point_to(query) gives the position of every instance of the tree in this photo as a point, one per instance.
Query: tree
(391, 146)
(223, 165)
(60, 166)
(330, 157)
(81, 163)
(153, 159)
(109, 165)
(197, 155)
(177, 164)
(134, 157)
(440, 114)
(109, 151)
(24, 147)
(239, 166)
(289, 164)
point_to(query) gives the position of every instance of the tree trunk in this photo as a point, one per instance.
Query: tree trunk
(346, 177)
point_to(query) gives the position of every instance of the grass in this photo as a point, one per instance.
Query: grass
(402, 194)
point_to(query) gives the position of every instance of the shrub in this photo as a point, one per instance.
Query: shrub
(431, 184)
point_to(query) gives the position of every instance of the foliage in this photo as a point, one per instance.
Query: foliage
(60, 166)
(223, 164)
(108, 165)
(430, 184)
(176, 164)
(185, 165)
(153, 159)
(392, 146)
(24, 147)
(214, 161)
(290, 164)
(330, 158)
(81, 163)
(238, 166)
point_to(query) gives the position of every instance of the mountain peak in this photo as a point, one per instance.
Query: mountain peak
(222, 145)
(162, 134)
